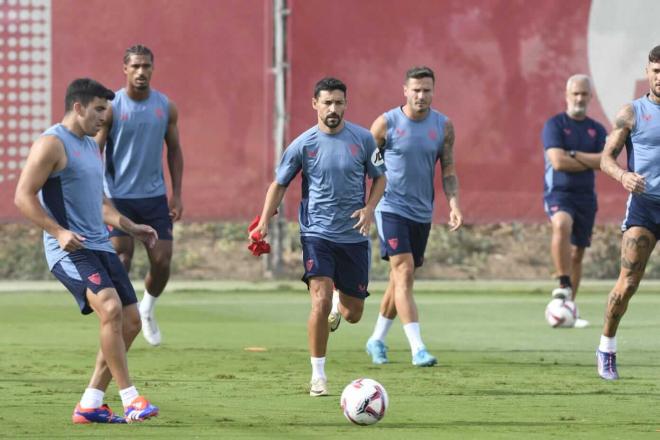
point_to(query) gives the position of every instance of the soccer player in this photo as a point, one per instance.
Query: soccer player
(138, 121)
(61, 191)
(334, 157)
(637, 126)
(573, 143)
(413, 138)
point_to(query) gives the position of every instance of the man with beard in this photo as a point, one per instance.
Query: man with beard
(413, 138)
(573, 143)
(138, 121)
(637, 126)
(334, 156)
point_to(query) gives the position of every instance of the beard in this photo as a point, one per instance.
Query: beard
(578, 110)
(332, 120)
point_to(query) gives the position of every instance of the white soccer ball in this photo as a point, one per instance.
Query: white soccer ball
(561, 313)
(364, 401)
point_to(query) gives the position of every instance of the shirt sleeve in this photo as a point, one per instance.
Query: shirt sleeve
(290, 164)
(551, 135)
(375, 162)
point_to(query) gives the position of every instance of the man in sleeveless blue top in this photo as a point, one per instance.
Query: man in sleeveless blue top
(138, 122)
(61, 191)
(637, 127)
(413, 138)
(573, 143)
(334, 157)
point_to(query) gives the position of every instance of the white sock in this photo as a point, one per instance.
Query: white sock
(607, 345)
(335, 302)
(414, 337)
(382, 327)
(148, 303)
(92, 398)
(318, 367)
(128, 395)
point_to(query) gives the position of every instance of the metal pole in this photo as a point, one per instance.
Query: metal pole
(280, 66)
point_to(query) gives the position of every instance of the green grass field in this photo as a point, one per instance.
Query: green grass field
(503, 373)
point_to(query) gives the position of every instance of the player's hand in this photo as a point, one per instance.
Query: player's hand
(259, 232)
(633, 182)
(365, 216)
(455, 219)
(145, 234)
(176, 208)
(70, 241)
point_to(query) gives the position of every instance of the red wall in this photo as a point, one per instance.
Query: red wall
(501, 68)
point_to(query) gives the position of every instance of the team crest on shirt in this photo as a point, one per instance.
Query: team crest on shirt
(400, 132)
(592, 132)
(159, 113)
(554, 208)
(123, 117)
(312, 153)
(309, 264)
(567, 131)
(95, 278)
(647, 117)
(393, 242)
(433, 135)
(354, 148)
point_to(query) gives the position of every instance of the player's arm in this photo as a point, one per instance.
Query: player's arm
(113, 218)
(561, 160)
(449, 178)
(589, 160)
(274, 197)
(102, 136)
(379, 131)
(623, 125)
(174, 162)
(46, 156)
(365, 215)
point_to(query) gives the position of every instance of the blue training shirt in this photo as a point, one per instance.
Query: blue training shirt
(412, 149)
(562, 131)
(333, 168)
(73, 196)
(643, 146)
(134, 149)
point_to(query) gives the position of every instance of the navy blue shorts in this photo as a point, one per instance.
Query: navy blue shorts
(94, 270)
(582, 210)
(346, 263)
(152, 211)
(400, 235)
(641, 211)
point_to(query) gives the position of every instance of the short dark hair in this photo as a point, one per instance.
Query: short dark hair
(84, 90)
(329, 84)
(138, 49)
(419, 72)
(654, 55)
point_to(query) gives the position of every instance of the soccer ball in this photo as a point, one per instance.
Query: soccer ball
(561, 313)
(364, 401)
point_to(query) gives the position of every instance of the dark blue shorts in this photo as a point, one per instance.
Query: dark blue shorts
(400, 235)
(152, 211)
(641, 211)
(94, 270)
(346, 263)
(581, 208)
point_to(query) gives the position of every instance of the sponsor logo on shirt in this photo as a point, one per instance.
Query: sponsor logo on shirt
(400, 132)
(567, 131)
(592, 132)
(354, 148)
(433, 135)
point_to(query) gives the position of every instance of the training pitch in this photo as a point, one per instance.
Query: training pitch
(503, 372)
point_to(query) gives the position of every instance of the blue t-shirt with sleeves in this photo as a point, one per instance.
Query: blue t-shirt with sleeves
(643, 146)
(73, 196)
(562, 131)
(334, 167)
(134, 148)
(412, 149)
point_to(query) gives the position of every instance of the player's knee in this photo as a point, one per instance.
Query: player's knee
(353, 316)
(404, 273)
(321, 305)
(110, 311)
(161, 263)
(630, 285)
(126, 260)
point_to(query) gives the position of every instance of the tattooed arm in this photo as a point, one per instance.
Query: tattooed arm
(449, 178)
(623, 125)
